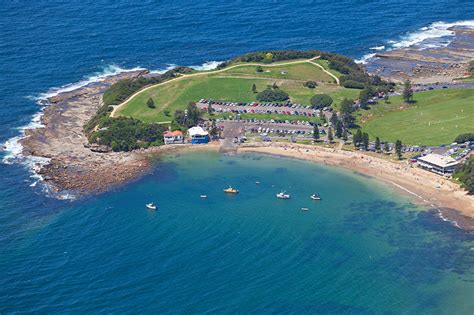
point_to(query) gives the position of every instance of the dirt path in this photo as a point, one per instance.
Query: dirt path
(327, 72)
(185, 76)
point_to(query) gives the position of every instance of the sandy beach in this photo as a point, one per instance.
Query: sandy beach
(424, 187)
(75, 168)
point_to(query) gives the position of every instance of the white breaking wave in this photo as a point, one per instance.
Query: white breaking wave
(365, 59)
(435, 35)
(12, 148)
(161, 71)
(378, 47)
(208, 65)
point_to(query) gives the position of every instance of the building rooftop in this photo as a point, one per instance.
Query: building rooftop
(197, 131)
(438, 160)
(172, 133)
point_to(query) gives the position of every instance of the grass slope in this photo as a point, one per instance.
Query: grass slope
(233, 85)
(436, 117)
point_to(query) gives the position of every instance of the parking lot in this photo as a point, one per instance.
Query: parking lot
(259, 108)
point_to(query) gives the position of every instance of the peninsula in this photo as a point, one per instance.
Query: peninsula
(304, 104)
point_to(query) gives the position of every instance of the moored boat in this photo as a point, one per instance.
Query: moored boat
(203, 196)
(315, 197)
(231, 190)
(283, 195)
(151, 206)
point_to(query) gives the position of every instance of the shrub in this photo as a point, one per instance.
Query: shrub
(272, 95)
(310, 84)
(465, 174)
(464, 137)
(321, 101)
(351, 84)
(150, 103)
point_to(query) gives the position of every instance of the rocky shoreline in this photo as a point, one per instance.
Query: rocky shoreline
(430, 65)
(72, 165)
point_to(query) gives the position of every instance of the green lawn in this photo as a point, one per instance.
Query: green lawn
(436, 117)
(233, 85)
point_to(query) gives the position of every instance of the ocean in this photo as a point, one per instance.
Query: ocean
(363, 249)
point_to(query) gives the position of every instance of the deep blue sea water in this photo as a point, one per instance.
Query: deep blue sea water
(364, 249)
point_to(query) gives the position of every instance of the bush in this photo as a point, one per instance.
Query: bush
(310, 84)
(272, 95)
(321, 100)
(465, 174)
(464, 137)
(351, 84)
(150, 103)
(127, 134)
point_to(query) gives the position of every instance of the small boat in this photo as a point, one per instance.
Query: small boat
(315, 197)
(304, 209)
(151, 206)
(231, 190)
(257, 183)
(283, 195)
(203, 196)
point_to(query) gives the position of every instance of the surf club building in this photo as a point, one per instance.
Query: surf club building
(437, 163)
(198, 135)
(173, 137)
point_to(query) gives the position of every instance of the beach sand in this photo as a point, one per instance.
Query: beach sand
(424, 187)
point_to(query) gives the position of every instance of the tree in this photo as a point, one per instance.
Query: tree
(364, 97)
(179, 117)
(465, 174)
(319, 101)
(210, 110)
(254, 88)
(464, 137)
(315, 132)
(268, 58)
(272, 95)
(398, 149)
(386, 98)
(275, 86)
(387, 147)
(344, 135)
(166, 112)
(346, 106)
(357, 139)
(377, 144)
(259, 69)
(407, 91)
(330, 136)
(338, 129)
(322, 116)
(214, 132)
(150, 103)
(334, 119)
(310, 84)
(365, 141)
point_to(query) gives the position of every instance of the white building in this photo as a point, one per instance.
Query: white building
(198, 135)
(173, 137)
(437, 163)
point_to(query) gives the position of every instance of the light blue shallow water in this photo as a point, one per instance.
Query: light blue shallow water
(364, 249)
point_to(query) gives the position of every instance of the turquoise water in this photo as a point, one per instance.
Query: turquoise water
(363, 249)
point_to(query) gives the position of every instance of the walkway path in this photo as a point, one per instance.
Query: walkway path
(184, 76)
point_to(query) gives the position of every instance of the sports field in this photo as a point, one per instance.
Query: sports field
(235, 84)
(435, 118)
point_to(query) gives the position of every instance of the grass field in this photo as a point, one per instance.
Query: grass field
(234, 84)
(436, 117)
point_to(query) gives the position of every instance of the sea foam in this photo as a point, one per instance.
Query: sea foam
(435, 35)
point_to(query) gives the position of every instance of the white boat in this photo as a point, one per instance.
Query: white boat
(315, 197)
(257, 183)
(203, 196)
(151, 206)
(282, 195)
(304, 209)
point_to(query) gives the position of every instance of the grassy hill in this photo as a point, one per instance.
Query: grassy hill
(235, 84)
(435, 118)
